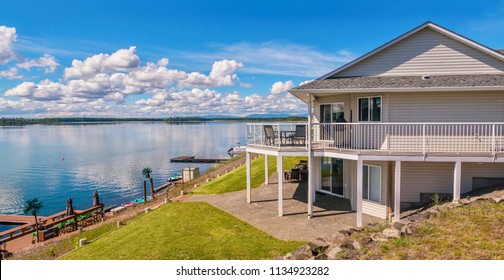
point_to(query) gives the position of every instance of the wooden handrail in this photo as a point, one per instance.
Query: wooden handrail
(48, 222)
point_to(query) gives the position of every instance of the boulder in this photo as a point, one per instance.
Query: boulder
(366, 240)
(332, 254)
(302, 252)
(345, 232)
(321, 257)
(338, 238)
(356, 245)
(378, 237)
(430, 213)
(476, 198)
(406, 230)
(391, 233)
(347, 245)
(317, 247)
(465, 201)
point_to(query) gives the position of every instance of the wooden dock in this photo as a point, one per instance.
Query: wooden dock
(193, 159)
(17, 219)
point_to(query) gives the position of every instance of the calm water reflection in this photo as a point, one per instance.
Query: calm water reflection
(56, 162)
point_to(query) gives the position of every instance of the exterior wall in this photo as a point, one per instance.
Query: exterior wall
(426, 53)
(470, 170)
(445, 107)
(384, 182)
(432, 177)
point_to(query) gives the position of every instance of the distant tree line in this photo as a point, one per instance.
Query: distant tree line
(235, 119)
(22, 121)
(55, 121)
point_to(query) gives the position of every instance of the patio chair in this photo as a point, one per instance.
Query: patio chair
(269, 134)
(299, 135)
(295, 175)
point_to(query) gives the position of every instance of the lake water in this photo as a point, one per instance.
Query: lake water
(55, 162)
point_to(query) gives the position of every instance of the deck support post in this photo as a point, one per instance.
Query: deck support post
(247, 160)
(311, 168)
(397, 192)
(359, 192)
(456, 180)
(280, 185)
(266, 173)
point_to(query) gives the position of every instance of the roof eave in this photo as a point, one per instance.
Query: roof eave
(297, 92)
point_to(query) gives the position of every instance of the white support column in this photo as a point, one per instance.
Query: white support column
(397, 192)
(280, 185)
(266, 175)
(247, 159)
(456, 180)
(359, 192)
(311, 169)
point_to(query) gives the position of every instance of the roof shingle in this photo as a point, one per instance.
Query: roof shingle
(378, 82)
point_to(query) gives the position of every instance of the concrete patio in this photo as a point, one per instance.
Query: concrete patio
(331, 214)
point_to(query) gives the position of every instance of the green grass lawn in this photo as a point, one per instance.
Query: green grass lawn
(236, 179)
(189, 230)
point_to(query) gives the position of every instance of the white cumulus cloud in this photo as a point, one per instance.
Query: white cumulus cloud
(123, 60)
(47, 62)
(10, 74)
(281, 87)
(222, 74)
(7, 38)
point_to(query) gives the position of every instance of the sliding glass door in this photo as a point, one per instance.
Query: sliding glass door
(332, 176)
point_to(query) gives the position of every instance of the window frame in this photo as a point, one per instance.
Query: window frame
(331, 104)
(368, 186)
(369, 108)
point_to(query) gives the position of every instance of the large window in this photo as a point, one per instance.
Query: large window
(371, 183)
(370, 109)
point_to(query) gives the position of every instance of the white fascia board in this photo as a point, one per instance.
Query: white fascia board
(432, 158)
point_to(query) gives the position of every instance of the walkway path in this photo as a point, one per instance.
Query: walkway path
(331, 213)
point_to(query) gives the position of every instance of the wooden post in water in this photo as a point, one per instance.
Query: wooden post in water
(145, 191)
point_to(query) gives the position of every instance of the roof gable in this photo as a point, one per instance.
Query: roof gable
(426, 50)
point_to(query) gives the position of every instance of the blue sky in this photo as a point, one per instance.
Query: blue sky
(165, 58)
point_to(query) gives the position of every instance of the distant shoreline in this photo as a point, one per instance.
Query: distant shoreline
(63, 121)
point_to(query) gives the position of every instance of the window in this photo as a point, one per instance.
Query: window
(370, 109)
(331, 113)
(371, 183)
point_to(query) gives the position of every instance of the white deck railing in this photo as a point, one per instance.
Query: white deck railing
(390, 137)
(277, 134)
(411, 137)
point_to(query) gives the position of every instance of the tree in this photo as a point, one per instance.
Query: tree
(33, 206)
(147, 173)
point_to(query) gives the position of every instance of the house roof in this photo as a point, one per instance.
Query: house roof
(494, 53)
(396, 82)
(500, 51)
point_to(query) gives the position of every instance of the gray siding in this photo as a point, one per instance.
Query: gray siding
(445, 107)
(432, 177)
(425, 177)
(426, 52)
(470, 170)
